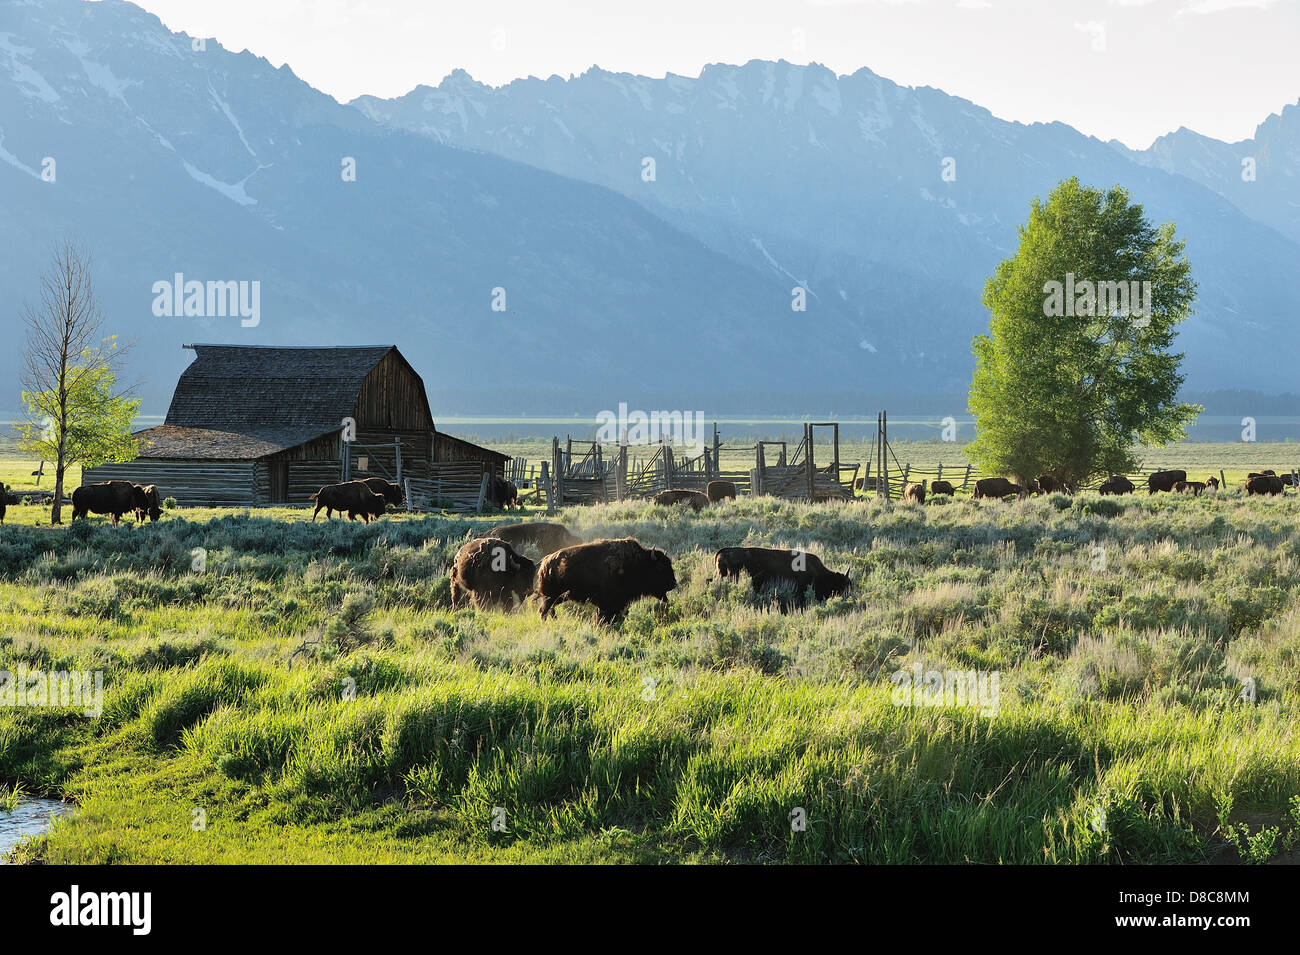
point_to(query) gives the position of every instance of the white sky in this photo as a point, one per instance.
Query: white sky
(1216, 66)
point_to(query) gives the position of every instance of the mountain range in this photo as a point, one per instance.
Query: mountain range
(562, 244)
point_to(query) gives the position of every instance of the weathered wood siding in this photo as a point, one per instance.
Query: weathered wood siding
(192, 483)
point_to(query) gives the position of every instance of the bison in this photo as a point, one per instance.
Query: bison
(773, 567)
(720, 491)
(548, 538)
(1211, 484)
(352, 498)
(114, 498)
(997, 487)
(152, 503)
(1117, 484)
(489, 573)
(608, 573)
(1164, 480)
(1264, 484)
(696, 500)
(915, 492)
(1051, 484)
(942, 487)
(504, 494)
(1193, 488)
(4, 502)
(390, 491)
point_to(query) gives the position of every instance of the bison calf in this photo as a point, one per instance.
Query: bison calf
(915, 492)
(1117, 484)
(608, 573)
(942, 487)
(489, 573)
(770, 567)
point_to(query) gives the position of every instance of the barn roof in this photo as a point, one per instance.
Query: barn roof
(169, 441)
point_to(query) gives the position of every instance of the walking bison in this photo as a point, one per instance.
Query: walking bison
(608, 573)
(390, 491)
(504, 494)
(113, 498)
(771, 567)
(696, 500)
(997, 487)
(548, 538)
(1164, 480)
(489, 573)
(351, 498)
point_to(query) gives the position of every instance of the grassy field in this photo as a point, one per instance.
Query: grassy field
(310, 696)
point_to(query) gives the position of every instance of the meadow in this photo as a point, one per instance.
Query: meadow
(308, 695)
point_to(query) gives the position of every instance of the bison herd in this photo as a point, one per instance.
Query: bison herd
(489, 571)
(116, 498)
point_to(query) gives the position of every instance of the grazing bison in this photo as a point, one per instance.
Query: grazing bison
(720, 491)
(504, 494)
(608, 573)
(915, 492)
(696, 500)
(996, 487)
(1266, 473)
(4, 502)
(351, 498)
(1211, 484)
(1264, 484)
(1117, 484)
(489, 573)
(114, 498)
(774, 567)
(1193, 488)
(390, 491)
(1165, 480)
(1050, 484)
(152, 503)
(548, 538)
(942, 487)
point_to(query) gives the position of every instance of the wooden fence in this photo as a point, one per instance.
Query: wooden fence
(461, 486)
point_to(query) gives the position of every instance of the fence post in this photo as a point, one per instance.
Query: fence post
(940, 475)
(407, 486)
(482, 490)
(966, 479)
(397, 450)
(717, 452)
(808, 463)
(620, 476)
(545, 479)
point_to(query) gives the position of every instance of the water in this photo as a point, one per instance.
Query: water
(31, 818)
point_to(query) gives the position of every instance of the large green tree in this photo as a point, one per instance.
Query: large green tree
(74, 412)
(1076, 368)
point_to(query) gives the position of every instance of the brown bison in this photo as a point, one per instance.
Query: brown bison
(770, 567)
(915, 492)
(1193, 488)
(548, 538)
(390, 491)
(1164, 480)
(1051, 484)
(720, 491)
(608, 573)
(152, 503)
(942, 487)
(696, 500)
(997, 487)
(1269, 472)
(1211, 484)
(4, 502)
(489, 573)
(1117, 484)
(1264, 484)
(114, 498)
(351, 498)
(503, 493)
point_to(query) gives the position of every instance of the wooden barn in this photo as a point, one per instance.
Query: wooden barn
(259, 424)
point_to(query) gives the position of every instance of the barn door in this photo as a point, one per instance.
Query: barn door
(279, 482)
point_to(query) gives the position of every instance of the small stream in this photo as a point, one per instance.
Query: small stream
(32, 818)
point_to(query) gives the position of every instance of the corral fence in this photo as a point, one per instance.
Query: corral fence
(588, 472)
(461, 486)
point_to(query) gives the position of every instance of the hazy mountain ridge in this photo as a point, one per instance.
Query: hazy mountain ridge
(838, 181)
